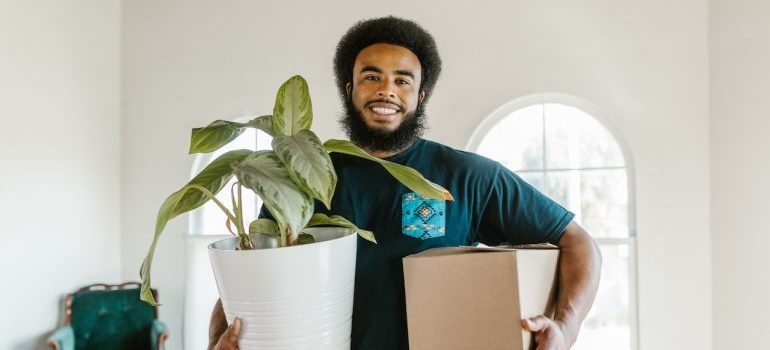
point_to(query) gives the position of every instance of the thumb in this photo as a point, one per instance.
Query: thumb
(535, 324)
(233, 330)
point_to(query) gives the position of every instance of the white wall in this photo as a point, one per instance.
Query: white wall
(740, 153)
(643, 63)
(60, 149)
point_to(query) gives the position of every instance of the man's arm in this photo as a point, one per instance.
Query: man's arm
(579, 271)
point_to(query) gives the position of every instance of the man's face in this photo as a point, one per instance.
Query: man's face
(386, 85)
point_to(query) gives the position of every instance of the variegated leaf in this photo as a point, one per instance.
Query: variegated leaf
(308, 164)
(320, 219)
(265, 227)
(305, 238)
(220, 132)
(411, 178)
(293, 110)
(264, 123)
(266, 175)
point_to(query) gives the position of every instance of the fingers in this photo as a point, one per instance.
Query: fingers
(229, 339)
(232, 332)
(535, 324)
(541, 340)
(546, 333)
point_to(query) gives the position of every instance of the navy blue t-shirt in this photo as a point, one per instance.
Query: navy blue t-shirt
(491, 205)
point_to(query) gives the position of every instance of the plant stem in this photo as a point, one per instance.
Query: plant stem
(245, 240)
(236, 203)
(214, 198)
(236, 200)
(240, 208)
(230, 228)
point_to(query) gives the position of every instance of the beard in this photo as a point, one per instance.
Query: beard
(366, 137)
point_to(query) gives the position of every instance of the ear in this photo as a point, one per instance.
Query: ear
(348, 87)
(422, 96)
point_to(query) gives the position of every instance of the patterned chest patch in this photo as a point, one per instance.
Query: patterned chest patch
(421, 217)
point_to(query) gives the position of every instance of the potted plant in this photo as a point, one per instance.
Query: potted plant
(289, 293)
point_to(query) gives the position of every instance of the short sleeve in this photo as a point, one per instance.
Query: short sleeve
(518, 213)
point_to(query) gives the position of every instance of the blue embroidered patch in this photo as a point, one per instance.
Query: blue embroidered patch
(422, 217)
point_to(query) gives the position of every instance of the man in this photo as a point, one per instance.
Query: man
(386, 69)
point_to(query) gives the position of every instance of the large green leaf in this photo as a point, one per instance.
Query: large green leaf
(308, 164)
(220, 132)
(212, 179)
(293, 110)
(411, 178)
(266, 175)
(320, 219)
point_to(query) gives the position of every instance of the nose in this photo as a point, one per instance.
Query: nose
(386, 89)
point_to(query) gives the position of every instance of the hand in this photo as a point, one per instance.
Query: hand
(229, 339)
(547, 334)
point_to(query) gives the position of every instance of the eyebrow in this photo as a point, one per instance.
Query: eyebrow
(377, 70)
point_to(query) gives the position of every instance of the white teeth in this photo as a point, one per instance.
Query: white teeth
(383, 110)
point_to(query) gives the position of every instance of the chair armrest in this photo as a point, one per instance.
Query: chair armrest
(158, 335)
(62, 339)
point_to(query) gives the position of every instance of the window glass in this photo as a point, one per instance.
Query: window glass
(572, 158)
(575, 140)
(517, 141)
(598, 197)
(607, 326)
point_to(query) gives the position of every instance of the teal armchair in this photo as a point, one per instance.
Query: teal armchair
(102, 316)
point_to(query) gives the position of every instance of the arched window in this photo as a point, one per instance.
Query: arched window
(559, 144)
(206, 225)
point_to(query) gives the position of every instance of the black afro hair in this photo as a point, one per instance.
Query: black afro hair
(387, 30)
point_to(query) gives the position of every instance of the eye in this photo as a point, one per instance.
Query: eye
(371, 77)
(402, 82)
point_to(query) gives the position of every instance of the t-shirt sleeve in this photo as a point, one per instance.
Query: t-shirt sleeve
(518, 213)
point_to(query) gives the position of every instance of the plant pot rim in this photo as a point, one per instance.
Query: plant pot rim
(343, 232)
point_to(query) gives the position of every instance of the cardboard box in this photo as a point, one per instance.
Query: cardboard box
(475, 297)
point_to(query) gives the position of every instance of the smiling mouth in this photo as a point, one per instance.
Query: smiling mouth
(384, 110)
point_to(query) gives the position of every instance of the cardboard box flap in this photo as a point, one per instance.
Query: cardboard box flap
(484, 247)
(480, 247)
(442, 251)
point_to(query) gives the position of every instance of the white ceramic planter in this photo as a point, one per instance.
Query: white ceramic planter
(298, 297)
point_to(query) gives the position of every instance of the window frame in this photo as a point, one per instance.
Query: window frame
(502, 112)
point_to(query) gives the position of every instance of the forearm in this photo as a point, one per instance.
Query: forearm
(218, 324)
(579, 271)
